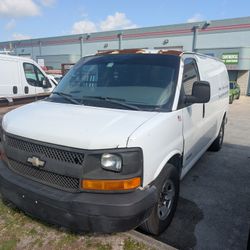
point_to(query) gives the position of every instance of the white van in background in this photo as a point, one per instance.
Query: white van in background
(20, 76)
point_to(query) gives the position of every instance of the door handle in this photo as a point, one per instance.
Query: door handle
(204, 110)
(26, 90)
(15, 90)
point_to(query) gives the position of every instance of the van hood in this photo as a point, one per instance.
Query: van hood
(75, 126)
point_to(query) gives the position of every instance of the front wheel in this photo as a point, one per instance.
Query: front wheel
(167, 184)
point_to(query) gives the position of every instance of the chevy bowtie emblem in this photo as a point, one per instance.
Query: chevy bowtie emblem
(36, 162)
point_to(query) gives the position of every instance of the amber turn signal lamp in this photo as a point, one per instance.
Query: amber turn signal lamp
(111, 185)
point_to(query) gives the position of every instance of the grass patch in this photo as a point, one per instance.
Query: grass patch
(32, 232)
(130, 244)
(8, 244)
(98, 245)
(66, 240)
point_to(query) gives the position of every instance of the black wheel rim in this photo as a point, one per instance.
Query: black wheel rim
(221, 134)
(166, 199)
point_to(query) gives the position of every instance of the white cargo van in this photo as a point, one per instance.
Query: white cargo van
(20, 76)
(107, 150)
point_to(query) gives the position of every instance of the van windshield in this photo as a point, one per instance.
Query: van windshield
(142, 81)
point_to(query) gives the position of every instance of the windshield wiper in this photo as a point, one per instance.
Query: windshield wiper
(67, 97)
(121, 102)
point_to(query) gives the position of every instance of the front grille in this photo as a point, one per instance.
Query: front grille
(66, 183)
(48, 151)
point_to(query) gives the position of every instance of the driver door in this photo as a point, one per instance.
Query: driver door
(34, 80)
(194, 139)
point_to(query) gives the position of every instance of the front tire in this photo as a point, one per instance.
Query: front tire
(167, 184)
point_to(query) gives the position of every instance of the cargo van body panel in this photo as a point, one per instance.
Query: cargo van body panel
(152, 137)
(11, 80)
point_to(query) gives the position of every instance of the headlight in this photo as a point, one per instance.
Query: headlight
(111, 162)
(119, 169)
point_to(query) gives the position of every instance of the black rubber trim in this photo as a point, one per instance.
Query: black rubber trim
(90, 212)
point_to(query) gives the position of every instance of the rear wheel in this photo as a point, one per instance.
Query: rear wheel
(231, 99)
(217, 144)
(167, 185)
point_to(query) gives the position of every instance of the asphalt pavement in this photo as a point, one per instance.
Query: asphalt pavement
(214, 207)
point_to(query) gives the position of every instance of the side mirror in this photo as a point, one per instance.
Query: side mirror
(200, 93)
(53, 80)
(46, 83)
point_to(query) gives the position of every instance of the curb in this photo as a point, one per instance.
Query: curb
(148, 241)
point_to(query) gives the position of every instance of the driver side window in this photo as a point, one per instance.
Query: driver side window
(33, 75)
(190, 75)
(30, 74)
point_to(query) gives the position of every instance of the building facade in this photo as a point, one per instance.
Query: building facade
(227, 39)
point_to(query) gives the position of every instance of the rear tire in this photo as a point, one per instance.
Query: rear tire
(217, 144)
(167, 184)
(231, 99)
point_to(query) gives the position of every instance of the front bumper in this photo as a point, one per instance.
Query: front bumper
(88, 212)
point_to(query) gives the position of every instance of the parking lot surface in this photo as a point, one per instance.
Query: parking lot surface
(4, 110)
(214, 207)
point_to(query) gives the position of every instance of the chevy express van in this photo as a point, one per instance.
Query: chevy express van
(20, 76)
(107, 150)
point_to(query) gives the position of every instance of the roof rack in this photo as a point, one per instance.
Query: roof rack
(122, 51)
(141, 51)
(171, 52)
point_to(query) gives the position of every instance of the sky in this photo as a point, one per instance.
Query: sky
(26, 19)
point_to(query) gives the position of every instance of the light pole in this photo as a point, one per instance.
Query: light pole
(120, 40)
(40, 48)
(195, 34)
(195, 30)
(81, 46)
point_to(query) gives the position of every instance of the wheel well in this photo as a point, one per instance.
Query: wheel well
(176, 161)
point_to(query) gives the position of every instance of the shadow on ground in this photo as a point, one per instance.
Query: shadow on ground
(180, 233)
